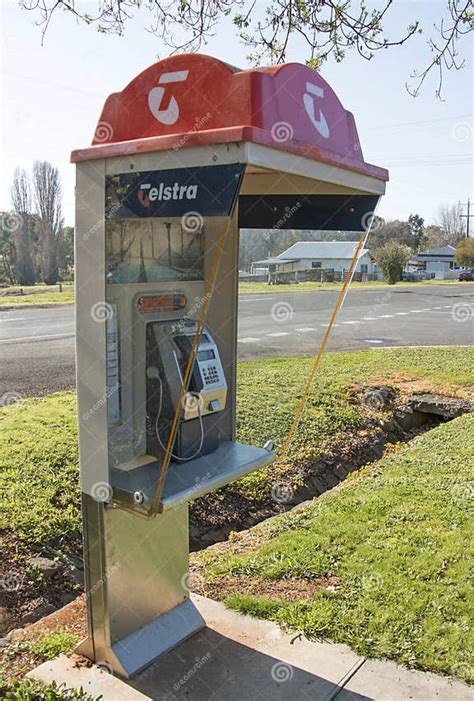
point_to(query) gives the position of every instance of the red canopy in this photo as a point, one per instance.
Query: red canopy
(192, 99)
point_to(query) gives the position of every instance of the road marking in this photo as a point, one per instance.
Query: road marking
(372, 340)
(252, 298)
(306, 329)
(386, 316)
(416, 311)
(37, 338)
(13, 318)
(248, 339)
(401, 313)
(278, 333)
(437, 307)
(369, 318)
(350, 322)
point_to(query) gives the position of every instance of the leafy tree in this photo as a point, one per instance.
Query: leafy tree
(327, 28)
(47, 188)
(391, 259)
(386, 231)
(21, 232)
(415, 226)
(465, 253)
(66, 251)
(433, 237)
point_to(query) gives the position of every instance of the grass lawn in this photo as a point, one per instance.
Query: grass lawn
(36, 295)
(382, 563)
(39, 490)
(263, 287)
(401, 517)
(42, 294)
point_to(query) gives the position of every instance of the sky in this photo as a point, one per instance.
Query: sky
(52, 95)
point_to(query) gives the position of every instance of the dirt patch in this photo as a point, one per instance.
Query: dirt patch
(405, 386)
(72, 617)
(288, 590)
(26, 593)
(213, 518)
(15, 658)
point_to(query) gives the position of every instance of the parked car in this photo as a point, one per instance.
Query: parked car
(466, 275)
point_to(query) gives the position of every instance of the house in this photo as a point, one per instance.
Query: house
(326, 255)
(438, 260)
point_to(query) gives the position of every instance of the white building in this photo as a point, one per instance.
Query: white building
(438, 260)
(327, 255)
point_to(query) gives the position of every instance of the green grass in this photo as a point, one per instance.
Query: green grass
(31, 690)
(39, 490)
(42, 294)
(49, 645)
(37, 295)
(52, 644)
(269, 391)
(263, 287)
(39, 484)
(399, 539)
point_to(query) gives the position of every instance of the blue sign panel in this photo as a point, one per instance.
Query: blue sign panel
(208, 190)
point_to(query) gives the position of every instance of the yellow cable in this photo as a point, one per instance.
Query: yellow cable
(174, 426)
(322, 347)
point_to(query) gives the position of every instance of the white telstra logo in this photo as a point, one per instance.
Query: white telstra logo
(155, 97)
(320, 123)
(170, 192)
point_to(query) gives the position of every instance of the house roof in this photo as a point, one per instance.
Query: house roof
(320, 249)
(437, 253)
(275, 261)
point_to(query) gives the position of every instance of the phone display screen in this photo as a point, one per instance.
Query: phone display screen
(206, 354)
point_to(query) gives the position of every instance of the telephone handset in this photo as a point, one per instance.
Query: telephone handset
(207, 388)
(185, 345)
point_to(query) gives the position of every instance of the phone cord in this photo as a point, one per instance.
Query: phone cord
(157, 431)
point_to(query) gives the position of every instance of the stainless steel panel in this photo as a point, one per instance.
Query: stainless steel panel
(189, 480)
(146, 567)
(141, 648)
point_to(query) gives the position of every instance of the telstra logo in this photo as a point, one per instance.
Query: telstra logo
(148, 193)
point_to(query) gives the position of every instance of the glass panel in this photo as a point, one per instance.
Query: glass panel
(153, 251)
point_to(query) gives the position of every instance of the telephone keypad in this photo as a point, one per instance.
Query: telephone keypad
(210, 374)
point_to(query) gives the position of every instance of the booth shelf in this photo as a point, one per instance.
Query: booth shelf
(192, 479)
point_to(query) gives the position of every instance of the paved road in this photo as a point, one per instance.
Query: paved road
(37, 345)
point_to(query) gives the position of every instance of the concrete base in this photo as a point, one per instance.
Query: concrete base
(238, 657)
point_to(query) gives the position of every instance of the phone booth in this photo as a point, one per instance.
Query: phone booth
(189, 152)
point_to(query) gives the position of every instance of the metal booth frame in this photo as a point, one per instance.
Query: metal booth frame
(136, 520)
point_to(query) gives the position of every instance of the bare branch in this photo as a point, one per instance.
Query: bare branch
(444, 49)
(47, 190)
(329, 28)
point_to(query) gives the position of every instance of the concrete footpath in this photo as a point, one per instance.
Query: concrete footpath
(240, 658)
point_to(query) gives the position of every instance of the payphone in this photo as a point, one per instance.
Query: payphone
(160, 198)
(168, 354)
